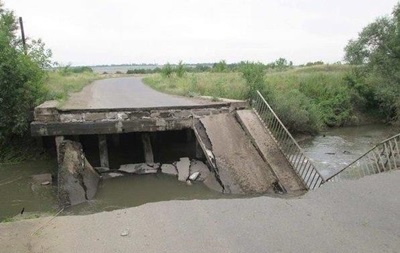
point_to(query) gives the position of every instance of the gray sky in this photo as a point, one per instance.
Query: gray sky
(89, 32)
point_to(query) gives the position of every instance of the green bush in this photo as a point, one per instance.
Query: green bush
(254, 75)
(297, 112)
(82, 69)
(180, 69)
(167, 70)
(21, 79)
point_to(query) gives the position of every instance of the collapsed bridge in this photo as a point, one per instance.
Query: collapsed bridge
(124, 115)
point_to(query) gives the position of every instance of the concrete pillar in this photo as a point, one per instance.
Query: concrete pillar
(148, 150)
(58, 139)
(103, 151)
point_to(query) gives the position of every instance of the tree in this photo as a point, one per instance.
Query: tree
(376, 52)
(21, 78)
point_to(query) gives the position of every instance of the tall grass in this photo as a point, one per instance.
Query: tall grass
(229, 85)
(60, 85)
(307, 99)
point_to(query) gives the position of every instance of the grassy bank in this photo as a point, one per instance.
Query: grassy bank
(307, 99)
(59, 85)
(229, 85)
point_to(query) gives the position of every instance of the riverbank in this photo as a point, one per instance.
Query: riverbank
(351, 216)
(307, 99)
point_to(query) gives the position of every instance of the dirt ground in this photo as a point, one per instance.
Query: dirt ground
(351, 216)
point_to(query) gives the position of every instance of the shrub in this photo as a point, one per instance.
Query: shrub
(180, 69)
(21, 89)
(297, 112)
(253, 74)
(220, 66)
(167, 70)
(82, 69)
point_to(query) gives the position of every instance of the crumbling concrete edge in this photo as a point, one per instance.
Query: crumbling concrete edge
(253, 141)
(207, 151)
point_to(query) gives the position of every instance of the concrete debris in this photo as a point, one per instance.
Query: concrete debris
(41, 178)
(199, 166)
(112, 175)
(188, 182)
(169, 169)
(183, 169)
(102, 169)
(77, 180)
(194, 176)
(140, 168)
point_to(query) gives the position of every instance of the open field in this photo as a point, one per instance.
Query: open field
(307, 98)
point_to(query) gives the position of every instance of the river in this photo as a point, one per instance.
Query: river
(330, 151)
(335, 148)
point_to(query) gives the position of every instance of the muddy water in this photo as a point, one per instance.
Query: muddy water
(135, 190)
(17, 191)
(332, 150)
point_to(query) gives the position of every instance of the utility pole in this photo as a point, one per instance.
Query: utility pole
(21, 24)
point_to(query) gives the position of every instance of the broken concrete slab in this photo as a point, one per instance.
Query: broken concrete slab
(108, 175)
(169, 169)
(199, 166)
(140, 168)
(101, 169)
(90, 179)
(77, 180)
(183, 168)
(194, 176)
(42, 178)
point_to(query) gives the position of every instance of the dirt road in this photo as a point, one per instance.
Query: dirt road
(352, 216)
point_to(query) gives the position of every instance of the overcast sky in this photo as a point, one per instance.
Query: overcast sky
(91, 32)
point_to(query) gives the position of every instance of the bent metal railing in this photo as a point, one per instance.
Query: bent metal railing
(385, 156)
(287, 144)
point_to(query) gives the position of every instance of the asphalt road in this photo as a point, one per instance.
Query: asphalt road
(352, 216)
(126, 92)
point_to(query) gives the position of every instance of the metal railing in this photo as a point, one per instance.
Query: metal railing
(287, 144)
(385, 156)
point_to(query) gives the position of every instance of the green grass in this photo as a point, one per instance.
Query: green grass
(228, 85)
(59, 85)
(307, 99)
